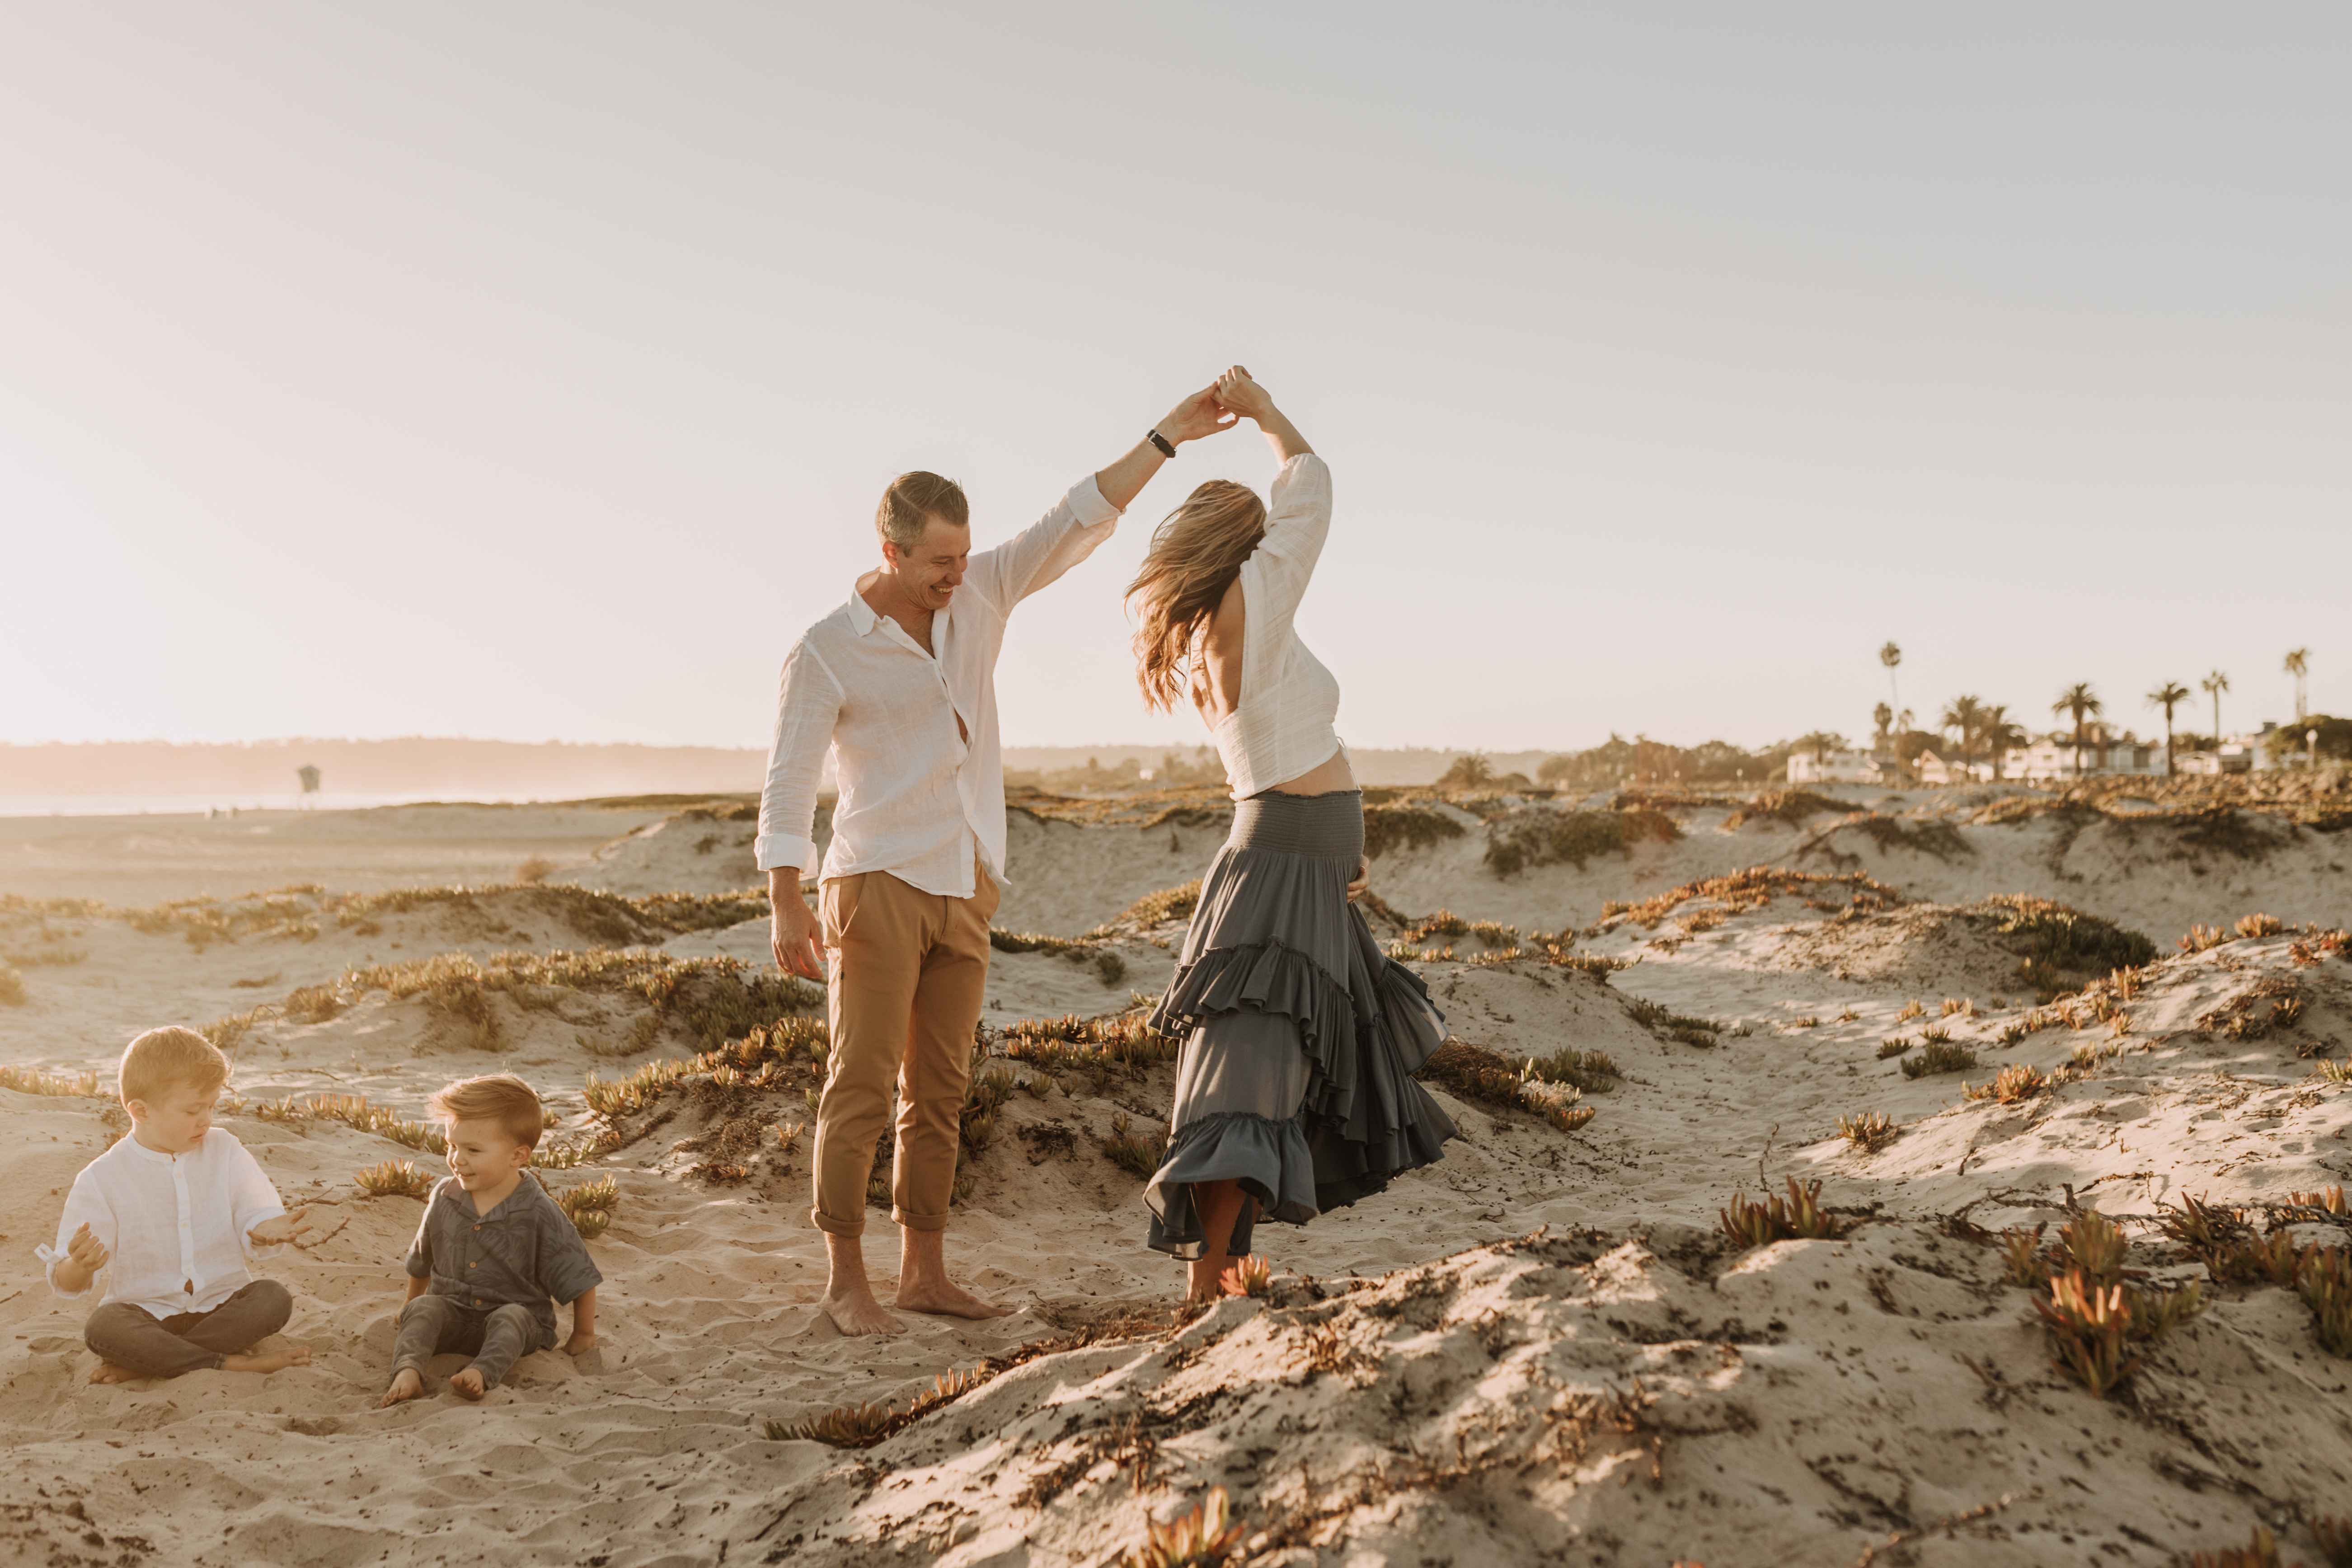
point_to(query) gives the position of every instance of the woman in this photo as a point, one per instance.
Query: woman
(1294, 1091)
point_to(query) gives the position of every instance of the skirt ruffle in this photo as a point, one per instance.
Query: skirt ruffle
(1270, 1158)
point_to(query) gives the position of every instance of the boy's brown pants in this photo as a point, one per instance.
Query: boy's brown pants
(906, 973)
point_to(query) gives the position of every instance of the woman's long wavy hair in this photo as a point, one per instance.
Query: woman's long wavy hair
(1195, 557)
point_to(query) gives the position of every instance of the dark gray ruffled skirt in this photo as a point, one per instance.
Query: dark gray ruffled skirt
(1300, 1036)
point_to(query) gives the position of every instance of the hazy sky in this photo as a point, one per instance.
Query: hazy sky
(532, 370)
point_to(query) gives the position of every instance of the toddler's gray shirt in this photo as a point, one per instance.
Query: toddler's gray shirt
(525, 1252)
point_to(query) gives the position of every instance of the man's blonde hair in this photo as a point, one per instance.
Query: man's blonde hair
(911, 503)
(168, 1058)
(500, 1096)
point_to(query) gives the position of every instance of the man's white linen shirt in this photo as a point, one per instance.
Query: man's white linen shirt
(916, 796)
(175, 1223)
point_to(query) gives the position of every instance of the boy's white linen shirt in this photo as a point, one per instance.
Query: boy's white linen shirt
(915, 795)
(169, 1220)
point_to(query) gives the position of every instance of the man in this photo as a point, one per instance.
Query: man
(901, 681)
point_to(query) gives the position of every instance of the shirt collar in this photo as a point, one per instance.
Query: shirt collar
(156, 1157)
(862, 617)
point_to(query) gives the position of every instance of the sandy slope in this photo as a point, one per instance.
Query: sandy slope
(1625, 1388)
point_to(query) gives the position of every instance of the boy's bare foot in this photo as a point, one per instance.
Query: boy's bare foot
(467, 1384)
(276, 1361)
(108, 1372)
(856, 1312)
(405, 1387)
(947, 1300)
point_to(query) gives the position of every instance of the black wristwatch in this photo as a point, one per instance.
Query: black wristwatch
(1161, 442)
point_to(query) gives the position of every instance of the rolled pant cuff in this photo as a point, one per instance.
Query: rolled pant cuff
(917, 1221)
(831, 1227)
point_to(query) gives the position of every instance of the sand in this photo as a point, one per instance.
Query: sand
(1540, 1350)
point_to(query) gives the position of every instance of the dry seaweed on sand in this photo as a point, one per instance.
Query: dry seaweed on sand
(1138, 1154)
(1937, 1056)
(2098, 1321)
(2059, 948)
(1119, 1043)
(1799, 1217)
(1660, 1019)
(1740, 891)
(1489, 1078)
(1405, 826)
(1539, 836)
(1790, 806)
(394, 1178)
(863, 1425)
(39, 1080)
(1868, 1132)
(708, 1000)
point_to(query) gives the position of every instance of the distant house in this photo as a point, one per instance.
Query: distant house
(2052, 756)
(1839, 767)
(1935, 769)
(2238, 754)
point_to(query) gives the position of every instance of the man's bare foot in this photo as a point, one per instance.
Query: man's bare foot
(467, 1384)
(856, 1312)
(276, 1361)
(108, 1372)
(947, 1300)
(405, 1387)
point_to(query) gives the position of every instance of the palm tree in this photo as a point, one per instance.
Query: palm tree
(2298, 664)
(1890, 655)
(2165, 697)
(2215, 684)
(2000, 733)
(1821, 743)
(2078, 700)
(1967, 715)
(1885, 717)
(1469, 771)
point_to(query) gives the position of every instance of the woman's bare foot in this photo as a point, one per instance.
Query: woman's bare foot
(948, 1300)
(108, 1372)
(467, 1384)
(407, 1385)
(276, 1361)
(856, 1312)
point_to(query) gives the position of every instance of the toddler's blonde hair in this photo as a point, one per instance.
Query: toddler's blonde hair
(168, 1058)
(498, 1097)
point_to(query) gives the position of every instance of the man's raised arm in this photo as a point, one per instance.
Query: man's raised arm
(808, 700)
(1040, 554)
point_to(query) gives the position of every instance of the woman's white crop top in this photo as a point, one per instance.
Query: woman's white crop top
(1283, 726)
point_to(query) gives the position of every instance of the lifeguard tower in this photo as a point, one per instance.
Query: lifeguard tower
(309, 774)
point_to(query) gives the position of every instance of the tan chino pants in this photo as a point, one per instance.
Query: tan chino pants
(907, 971)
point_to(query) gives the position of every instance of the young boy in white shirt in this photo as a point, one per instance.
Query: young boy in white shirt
(177, 1209)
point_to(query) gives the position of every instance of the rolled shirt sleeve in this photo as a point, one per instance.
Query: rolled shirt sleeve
(419, 1261)
(85, 1205)
(256, 1202)
(808, 700)
(564, 1266)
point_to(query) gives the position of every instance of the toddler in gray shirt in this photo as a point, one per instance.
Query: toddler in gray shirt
(493, 1253)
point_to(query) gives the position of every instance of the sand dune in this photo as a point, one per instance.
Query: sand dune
(1543, 1348)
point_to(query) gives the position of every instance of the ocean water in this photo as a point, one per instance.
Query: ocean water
(198, 805)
